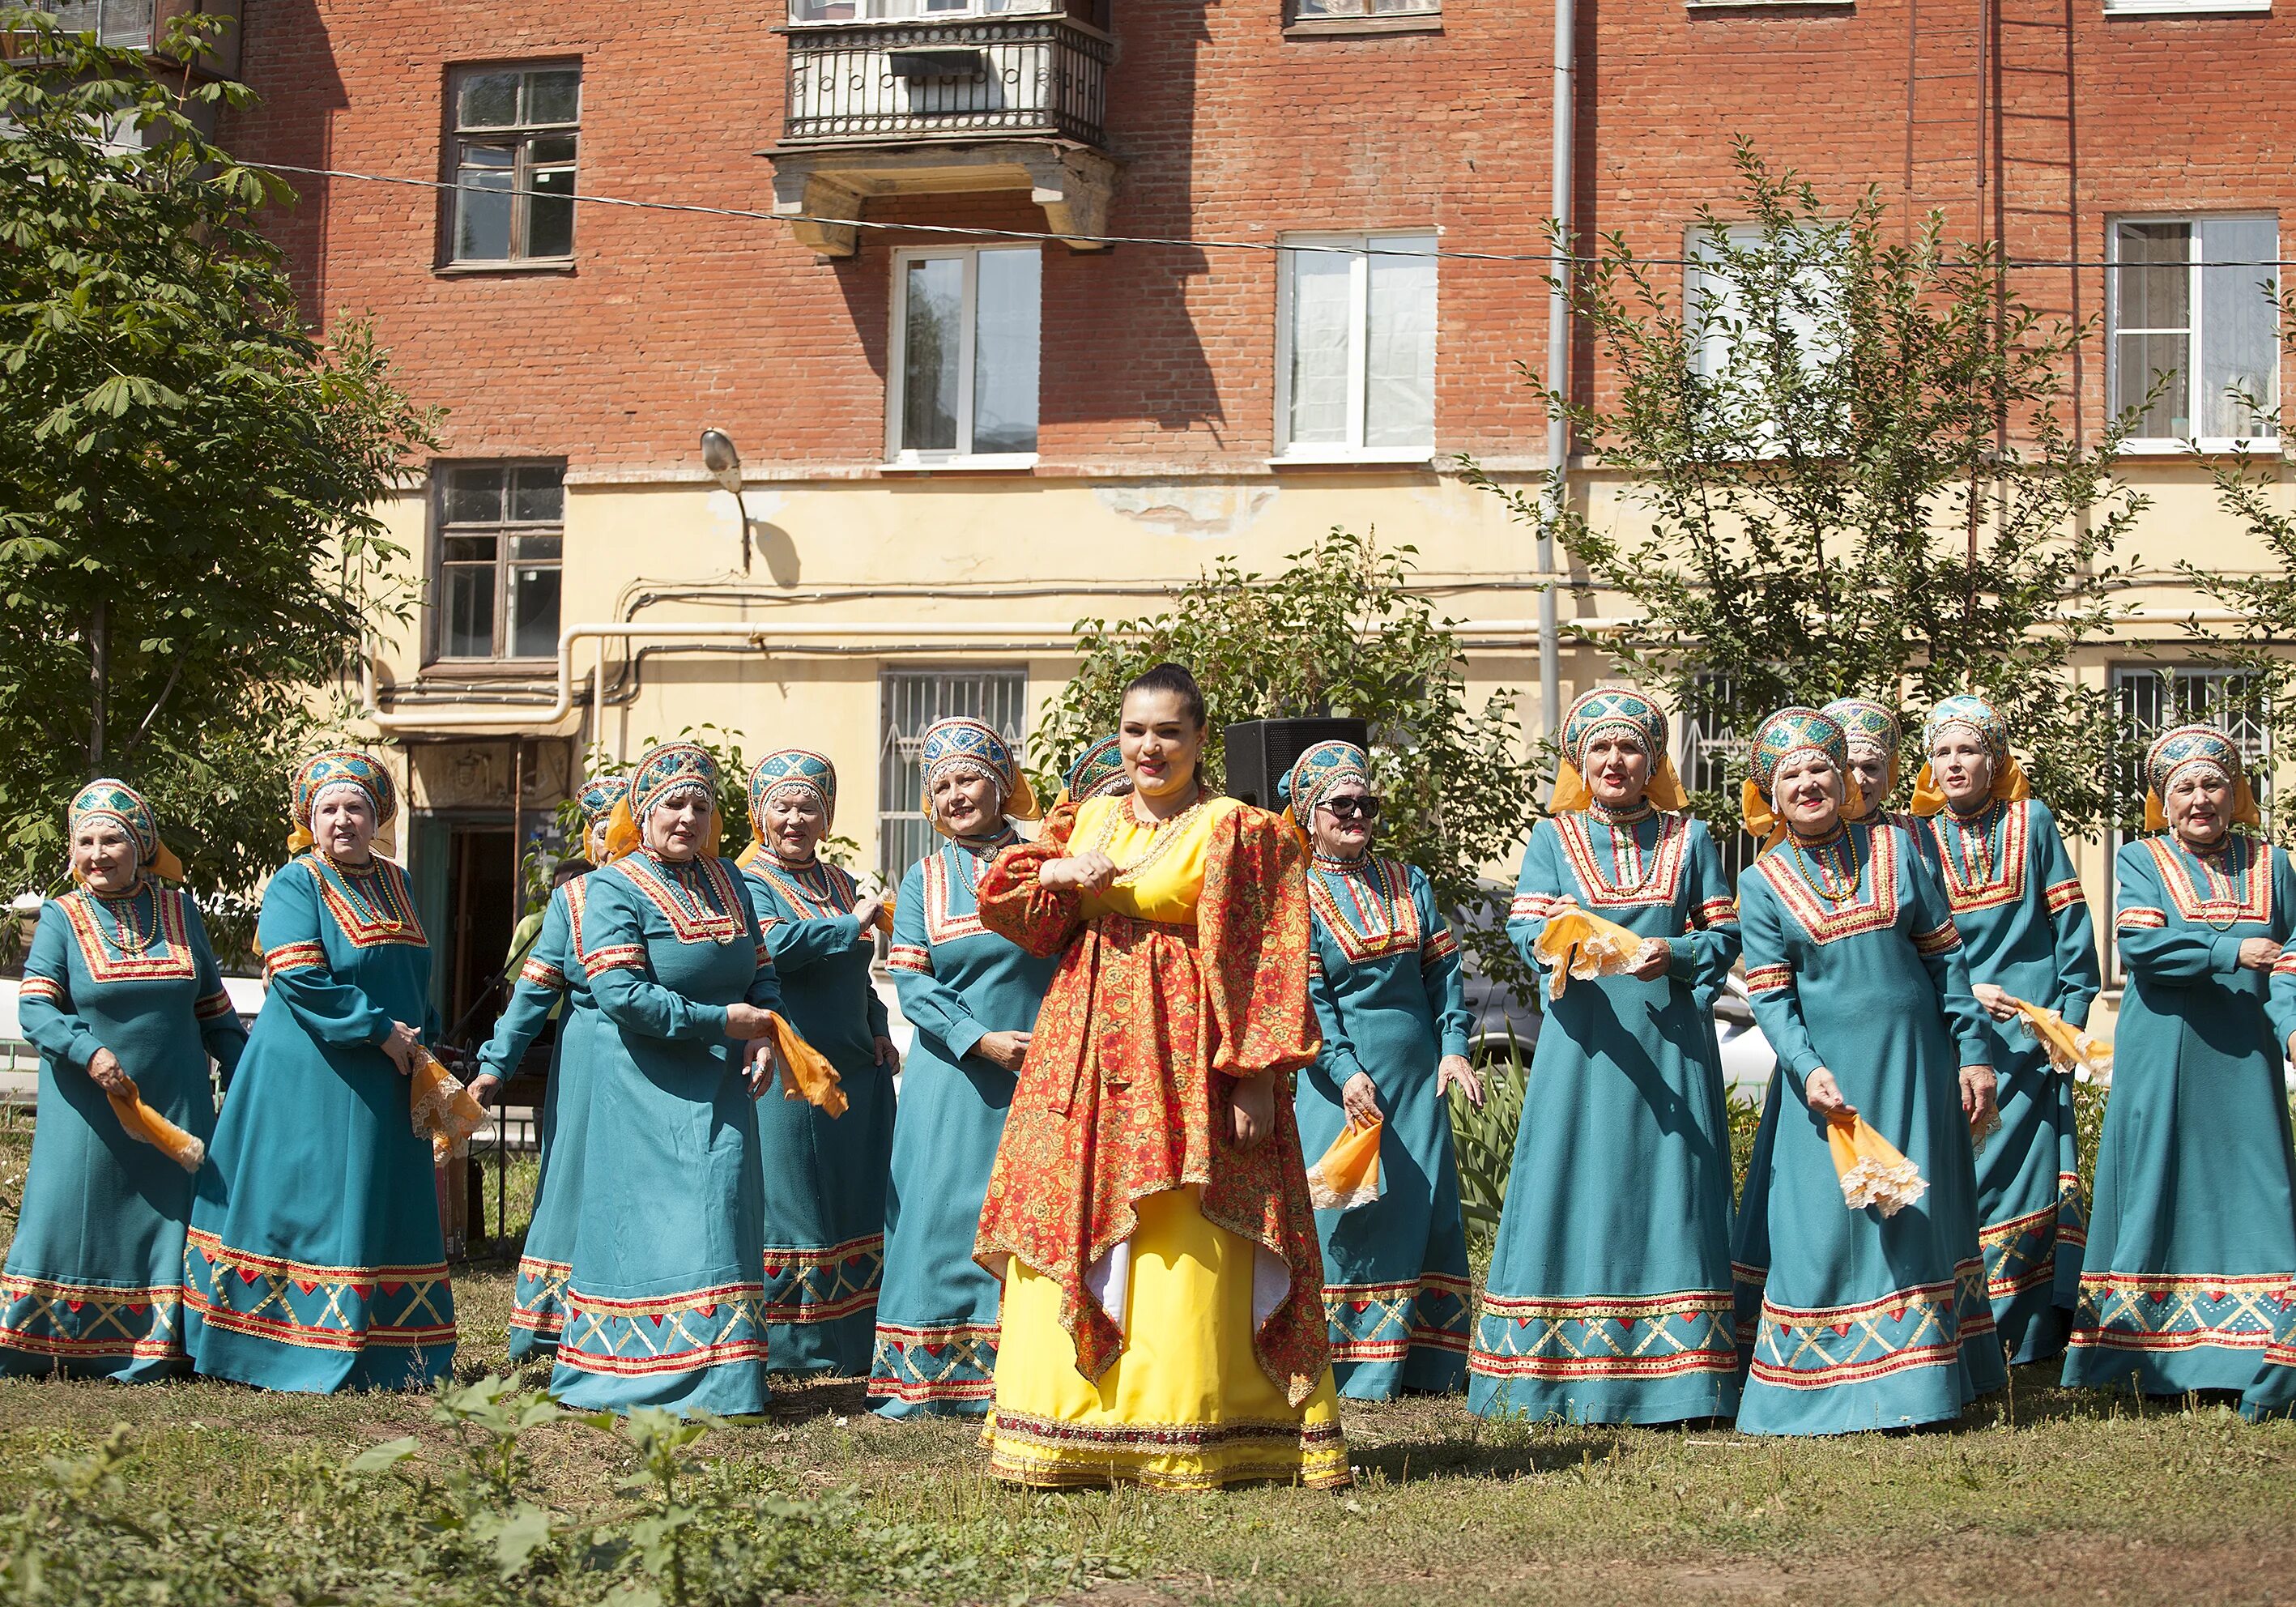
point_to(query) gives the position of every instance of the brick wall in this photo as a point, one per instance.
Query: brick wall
(1227, 130)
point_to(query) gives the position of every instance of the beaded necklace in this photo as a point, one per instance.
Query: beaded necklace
(127, 936)
(1161, 834)
(694, 902)
(2223, 869)
(1634, 873)
(1833, 872)
(366, 890)
(1972, 837)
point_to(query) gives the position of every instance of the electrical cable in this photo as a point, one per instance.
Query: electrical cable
(1042, 236)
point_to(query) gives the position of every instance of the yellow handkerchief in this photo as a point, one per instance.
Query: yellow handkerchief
(141, 1122)
(1348, 1175)
(1872, 1170)
(1574, 943)
(2070, 1048)
(807, 1073)
(442, 1108)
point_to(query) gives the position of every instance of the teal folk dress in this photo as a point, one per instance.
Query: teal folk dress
(936, 1316)
(1855, 1321)
(2192, 1238)
(1608, 1299)
(314, 1260)
(824, 1175)
(94, 1284)
(662, 1305)
(1385, 979)
(2024, 927)
(551, 980)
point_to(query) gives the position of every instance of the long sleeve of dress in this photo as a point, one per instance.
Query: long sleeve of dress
(294, 956)
(798, 943)
(219, 1025)
(622, 978)
(932, 1006)
(1021, 909)
(2172, 953)
(1542, 883)
(1251, 930)
(2279, 996)
(766, 987)
(1339, 1061)
(44, 1005)
(1770, 983)
(541, 986)
(1938, 941)
(1442, 971)
(1703, 956)
(2078, 975)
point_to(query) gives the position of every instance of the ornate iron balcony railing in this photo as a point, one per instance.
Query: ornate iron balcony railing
(885, 83)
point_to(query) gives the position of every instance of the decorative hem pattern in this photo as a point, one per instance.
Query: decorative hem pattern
(1605, 1335)
(1166, 1457)
(316, 1307)
(955, 1362)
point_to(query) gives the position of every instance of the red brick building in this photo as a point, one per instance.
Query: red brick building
(989, 437)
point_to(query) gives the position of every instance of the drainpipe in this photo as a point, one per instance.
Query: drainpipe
(1558, 370)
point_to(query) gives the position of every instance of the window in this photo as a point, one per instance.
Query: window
(124, 22)
(1311, 11)
(515, 129)
(2152, 699)
(501, 529)
(1732, 352)
(912, 701)
(963, 374)
(2196, 347)
(872, 11)
(1714, 758)
(2169, 8)
(1356, 347)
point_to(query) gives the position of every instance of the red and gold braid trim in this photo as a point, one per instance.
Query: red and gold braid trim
(910, 957)
(215, 1006)
(2140, 917)
(1769, 978)
(1942, 939)
(309, 955)
(2063, 894)
(621, 956)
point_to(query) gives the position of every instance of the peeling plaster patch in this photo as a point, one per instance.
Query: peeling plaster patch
(1200, 512)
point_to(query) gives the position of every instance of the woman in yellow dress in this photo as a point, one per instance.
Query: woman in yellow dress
(1163, 1310)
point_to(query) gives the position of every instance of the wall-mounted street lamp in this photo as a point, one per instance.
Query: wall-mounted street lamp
(724, 462)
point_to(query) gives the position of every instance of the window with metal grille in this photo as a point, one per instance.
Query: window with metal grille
(515, 129)
(494, 589)
(913, 699)
(2152, 699)
(1714, 759)
(127, 22)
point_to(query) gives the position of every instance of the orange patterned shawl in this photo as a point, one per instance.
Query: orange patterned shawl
(1123, 1094)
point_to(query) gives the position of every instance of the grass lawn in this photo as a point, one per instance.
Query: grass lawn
(229, 1495)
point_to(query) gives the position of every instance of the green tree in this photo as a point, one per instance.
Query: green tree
(1338, 631)
(1843, 471)
(188, 545)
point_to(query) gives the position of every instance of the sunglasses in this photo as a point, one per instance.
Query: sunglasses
(1347, 808)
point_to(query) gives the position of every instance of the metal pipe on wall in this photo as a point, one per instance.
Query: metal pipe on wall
(1558, 365)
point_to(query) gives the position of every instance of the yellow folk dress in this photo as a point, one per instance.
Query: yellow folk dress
(1164, 1315)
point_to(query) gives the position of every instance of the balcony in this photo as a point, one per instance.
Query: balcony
(943, 104)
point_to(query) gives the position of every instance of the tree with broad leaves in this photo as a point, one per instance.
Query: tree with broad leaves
(1843, 471)
(189, 546)
(1338, 631)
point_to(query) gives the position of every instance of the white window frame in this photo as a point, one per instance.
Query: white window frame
(1698, 243)
(2169, 445)
(2184, 8)
(897, 456)
(1362, 243)
(915, 11)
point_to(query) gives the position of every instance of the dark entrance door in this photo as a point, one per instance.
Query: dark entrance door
(481, 865)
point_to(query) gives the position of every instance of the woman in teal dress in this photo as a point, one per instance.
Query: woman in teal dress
(2192, 1240)
(1873, 738)
(663, 1303)
(119, 988)
(824, 1175)
(1384, 976)
(315, 1261)
(550, 983)
(1858, 1320)
(973, 997)
(2026, 933)
(1608, 1299)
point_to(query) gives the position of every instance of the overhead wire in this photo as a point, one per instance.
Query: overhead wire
(1370, 248)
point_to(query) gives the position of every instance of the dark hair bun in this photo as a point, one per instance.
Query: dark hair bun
(1176, 679)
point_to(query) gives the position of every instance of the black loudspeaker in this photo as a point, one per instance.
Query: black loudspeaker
(1260, 751)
